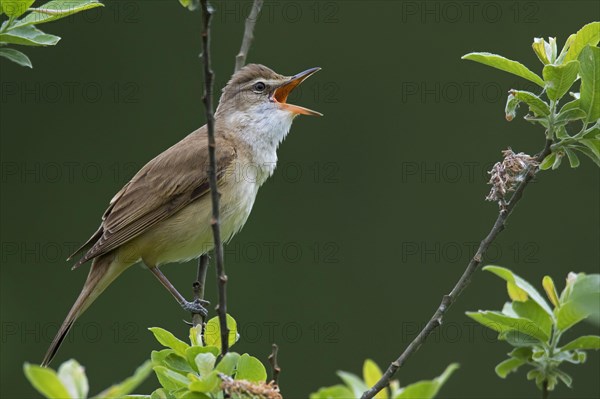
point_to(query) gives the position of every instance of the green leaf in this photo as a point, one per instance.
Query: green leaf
(564, 377)
(506, 65)
(550, 289)
(508, 366)
(509, 276)
(585, 295)
(593, 132)
(565, 49)
(72, 375)
(158, 357)
(535, 374)
(570, 114)
(586, 151)
(573, 158)
(575, 104)
(515, 293)
(519, 339)
(586, 342)
(557, 160)
(169, 379)
(334, 392)
(192, 352)
(548, 161)
(541, 48)
(128, 385)
(503, 324)
(590, 82)
(212, 332)
(28, 36)
(588, 35)
(560, 78)
(567, 315)
(522, 353)
(561, 133)
(578, 300)
(536, 105)
(551, 49)
(14, 8)
(57, 9)
(353, 382)
(578, 357)
(177, 363)
(207, 384)
(251, 369)
(205, 363)
(532, 311)
(371, 374)
(593, 145)
(196, 335)
(167, 339)
(228, 364)
(426, 389)
(510, 110)
(46, 382)
(15, 56)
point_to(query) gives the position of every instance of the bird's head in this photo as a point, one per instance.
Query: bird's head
(258, 92)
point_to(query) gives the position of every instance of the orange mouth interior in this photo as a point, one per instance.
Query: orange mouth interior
(280, 95)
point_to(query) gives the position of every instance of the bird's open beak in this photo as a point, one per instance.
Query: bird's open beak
(281, 93)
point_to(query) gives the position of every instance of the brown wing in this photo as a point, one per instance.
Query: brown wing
(162, 187)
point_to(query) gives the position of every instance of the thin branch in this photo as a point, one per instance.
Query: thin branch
(240, 59)
(463, 282)
(215, 221)
(274, 364)
(199, 288)
(545, 392)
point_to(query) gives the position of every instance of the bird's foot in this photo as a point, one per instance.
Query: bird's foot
(196, 307)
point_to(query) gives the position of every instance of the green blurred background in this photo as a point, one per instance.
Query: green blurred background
(369, 219)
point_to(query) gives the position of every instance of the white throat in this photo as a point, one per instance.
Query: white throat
(262, 131)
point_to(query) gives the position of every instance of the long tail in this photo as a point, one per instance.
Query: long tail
(102, 272)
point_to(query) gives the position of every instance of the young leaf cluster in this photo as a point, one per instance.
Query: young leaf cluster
(197, 370)
(194, 370)
(354, 386)
(70, 381)
(574, 125)
(20, 27)
(534, 327)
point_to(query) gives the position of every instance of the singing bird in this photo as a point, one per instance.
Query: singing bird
(162, 215)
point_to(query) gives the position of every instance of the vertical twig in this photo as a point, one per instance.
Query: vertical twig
(463, 282)
(240, 59)
(545, 392)
(215, 221)
(199, 288)
(199, 284)
(274, 364)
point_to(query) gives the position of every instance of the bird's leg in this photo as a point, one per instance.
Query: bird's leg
(198, 287)
(194, 307)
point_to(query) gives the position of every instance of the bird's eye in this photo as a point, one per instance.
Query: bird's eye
(259, 87)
